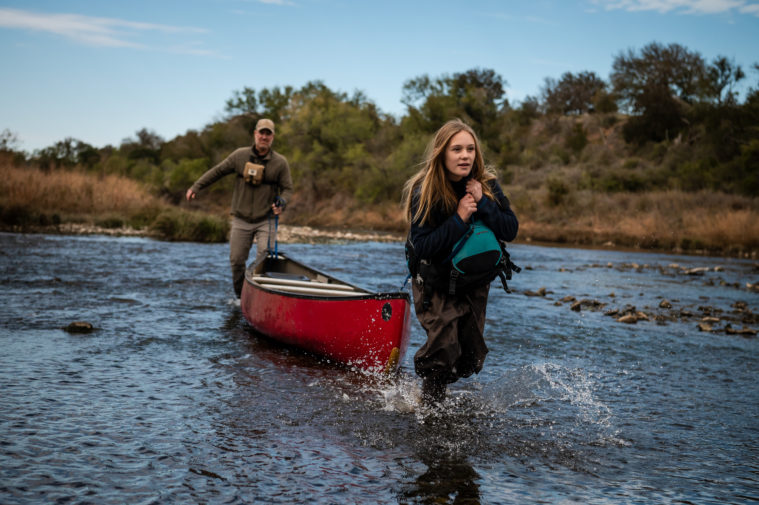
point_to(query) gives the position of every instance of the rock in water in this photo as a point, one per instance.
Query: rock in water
(79, 327)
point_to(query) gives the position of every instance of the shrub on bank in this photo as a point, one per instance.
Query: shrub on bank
(179, 225)
(19, 216)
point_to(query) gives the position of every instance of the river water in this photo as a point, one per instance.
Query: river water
(174, 399)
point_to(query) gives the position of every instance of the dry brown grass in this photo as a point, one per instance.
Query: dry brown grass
(671, 220)
(716, 223)
(345, 212)
(72, 193)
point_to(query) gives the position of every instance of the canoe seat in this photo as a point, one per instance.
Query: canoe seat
(293, 284)
(287, 276)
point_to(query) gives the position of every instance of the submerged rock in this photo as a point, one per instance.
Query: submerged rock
(587, 303)
(740, 306)
(696, 271)
(745, 331)
(540, 292)
(79, 327)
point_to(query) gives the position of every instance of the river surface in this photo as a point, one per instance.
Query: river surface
(174, 399)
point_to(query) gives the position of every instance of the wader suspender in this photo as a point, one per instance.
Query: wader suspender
(454, 275)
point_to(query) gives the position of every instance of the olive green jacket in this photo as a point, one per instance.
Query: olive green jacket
(252, 203)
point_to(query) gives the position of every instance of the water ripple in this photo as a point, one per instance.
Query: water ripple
(173, 399)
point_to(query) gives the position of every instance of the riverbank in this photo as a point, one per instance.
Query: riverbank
(295, 234)
(286, 234)
(699, 223)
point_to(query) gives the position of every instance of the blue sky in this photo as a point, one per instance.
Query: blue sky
(98, 71)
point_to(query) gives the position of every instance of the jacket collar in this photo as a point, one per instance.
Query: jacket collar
(257, 155)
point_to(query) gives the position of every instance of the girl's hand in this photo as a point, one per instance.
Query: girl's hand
(467, 207)
(474, 188)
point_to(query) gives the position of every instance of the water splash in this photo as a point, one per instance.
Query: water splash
(548, 385)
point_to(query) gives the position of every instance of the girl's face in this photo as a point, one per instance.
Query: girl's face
(459, 156)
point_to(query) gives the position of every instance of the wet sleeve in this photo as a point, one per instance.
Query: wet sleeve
(498, 216)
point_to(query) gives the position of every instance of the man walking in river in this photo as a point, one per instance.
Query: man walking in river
(262, 190)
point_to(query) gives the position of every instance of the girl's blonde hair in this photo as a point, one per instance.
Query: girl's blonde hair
(432, 177)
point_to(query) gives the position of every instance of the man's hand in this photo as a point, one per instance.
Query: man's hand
(278, 206)
(190, 194)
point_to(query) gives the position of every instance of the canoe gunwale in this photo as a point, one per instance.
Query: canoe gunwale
(256, 270)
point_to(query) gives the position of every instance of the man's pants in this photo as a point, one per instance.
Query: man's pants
(241, 238)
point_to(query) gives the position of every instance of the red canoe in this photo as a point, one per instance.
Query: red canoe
(299, 306)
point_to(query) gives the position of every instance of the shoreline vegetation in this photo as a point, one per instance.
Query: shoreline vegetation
(62, 201)
(662, 156)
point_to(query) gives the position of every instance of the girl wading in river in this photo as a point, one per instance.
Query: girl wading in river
(453, 189)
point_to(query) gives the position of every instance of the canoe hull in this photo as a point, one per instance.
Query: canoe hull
(366, 330)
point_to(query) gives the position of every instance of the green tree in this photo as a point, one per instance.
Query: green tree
(269, 103)
(187, 146)
(722, 76)
(528, 110)
(242, 102)
(274, 102)
(330, 139)
(658, 86)
(147, 146)
(476, 96)
(573, 93)
(672, 71)
(180, 176)
(68, 153)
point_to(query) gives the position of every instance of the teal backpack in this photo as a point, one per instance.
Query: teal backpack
(476, 252)
(475, 260)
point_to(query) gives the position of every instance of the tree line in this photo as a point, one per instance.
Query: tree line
(667, 99)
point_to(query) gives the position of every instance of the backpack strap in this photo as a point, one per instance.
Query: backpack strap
(508, 267)
(453, 277)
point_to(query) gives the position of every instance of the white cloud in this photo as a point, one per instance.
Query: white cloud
(276, 2)
(687, 6)
(94, 31)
